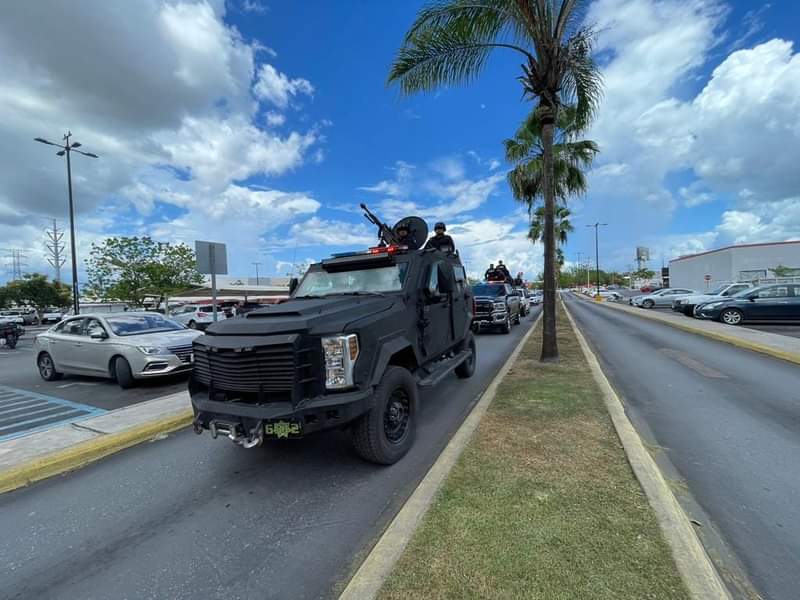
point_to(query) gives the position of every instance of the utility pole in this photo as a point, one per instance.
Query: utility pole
(68, 148)
(17, 263)
(578, 277)
(257, 265)
(597, 254)
(55, 249)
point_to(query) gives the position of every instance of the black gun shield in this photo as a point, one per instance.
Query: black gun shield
(417, 228)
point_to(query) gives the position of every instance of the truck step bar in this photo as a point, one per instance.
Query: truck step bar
(442, 369)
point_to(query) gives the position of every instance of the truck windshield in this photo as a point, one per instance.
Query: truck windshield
(488, 290)
(323, 283)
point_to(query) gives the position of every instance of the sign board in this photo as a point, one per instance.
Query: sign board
(212, 258)
(707, 277)
(642, 253)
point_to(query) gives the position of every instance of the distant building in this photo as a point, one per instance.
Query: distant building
(746, 262)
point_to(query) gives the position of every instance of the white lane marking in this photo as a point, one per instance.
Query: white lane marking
(66, 385)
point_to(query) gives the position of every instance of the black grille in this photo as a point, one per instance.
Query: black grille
(482, 307)
(182, 352)
(270, 369)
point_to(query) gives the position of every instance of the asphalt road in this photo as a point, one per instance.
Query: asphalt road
(726, 423)
(18, 370)
(192, 517)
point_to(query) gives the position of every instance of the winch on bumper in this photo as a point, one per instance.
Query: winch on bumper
(249, 424)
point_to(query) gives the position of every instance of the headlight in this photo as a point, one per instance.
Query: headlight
(341, 352)
(712, 305)
(153, 350)
(498, 304)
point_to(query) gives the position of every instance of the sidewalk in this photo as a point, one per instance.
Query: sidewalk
(779, 346)
(37, 456)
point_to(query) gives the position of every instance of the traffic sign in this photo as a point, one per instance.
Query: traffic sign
(707, 277)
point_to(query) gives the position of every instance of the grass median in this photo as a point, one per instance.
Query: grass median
(543, 503)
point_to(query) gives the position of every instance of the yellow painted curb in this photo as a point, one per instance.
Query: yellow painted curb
(791, 357)
(693, 563)
(89, 451)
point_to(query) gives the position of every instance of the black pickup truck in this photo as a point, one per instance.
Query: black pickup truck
(496, 306)
(349, 349)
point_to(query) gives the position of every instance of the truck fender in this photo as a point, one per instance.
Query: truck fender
(388, 350)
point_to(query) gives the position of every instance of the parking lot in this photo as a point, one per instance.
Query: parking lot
(78, 397)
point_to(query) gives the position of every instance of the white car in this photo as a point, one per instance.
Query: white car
(686, 304)
(16, 319)
(661, 297)
(197, 316)
(52, 315)
(124, 346)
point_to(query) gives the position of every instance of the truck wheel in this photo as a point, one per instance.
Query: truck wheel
(506, 328)
(386, 433)
(192, 325)
(466, 369)
(517, 321)
(122, 369)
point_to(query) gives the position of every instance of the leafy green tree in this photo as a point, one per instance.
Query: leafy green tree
(132, 268)
(37, 291)
(643, 273)
(782, 271)
(450, 42)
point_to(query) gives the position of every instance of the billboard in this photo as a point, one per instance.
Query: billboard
(642, 253)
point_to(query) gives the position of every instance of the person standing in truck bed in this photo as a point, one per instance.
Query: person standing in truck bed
(440, 240)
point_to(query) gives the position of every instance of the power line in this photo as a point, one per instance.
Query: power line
(55, 249)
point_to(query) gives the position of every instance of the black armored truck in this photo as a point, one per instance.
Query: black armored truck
(360, 333)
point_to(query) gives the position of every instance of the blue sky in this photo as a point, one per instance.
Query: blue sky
(263, 125)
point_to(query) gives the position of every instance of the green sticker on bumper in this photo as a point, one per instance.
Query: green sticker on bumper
(283, 429)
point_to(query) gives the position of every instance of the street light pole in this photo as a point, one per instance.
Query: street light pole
(597, 254)
(578, 278)
(67, 149)
(256, 265)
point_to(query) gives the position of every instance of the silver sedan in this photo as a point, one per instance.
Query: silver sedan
(123, 346)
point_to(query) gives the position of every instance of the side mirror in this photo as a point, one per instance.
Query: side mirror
(99, 335)
(293, 283)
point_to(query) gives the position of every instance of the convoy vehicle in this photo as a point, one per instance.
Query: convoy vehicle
(123, 346)
(524, 301)
(198, 316)
(686, 304)
(661, 298)
(774, 302)
(360, 333)
(9, 334)
(496, 306)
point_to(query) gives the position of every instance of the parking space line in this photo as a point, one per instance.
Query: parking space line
(23, 412)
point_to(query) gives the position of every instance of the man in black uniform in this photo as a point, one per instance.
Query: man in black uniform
(440, 240)
(504, 270)
(404, 235)
(489, 272)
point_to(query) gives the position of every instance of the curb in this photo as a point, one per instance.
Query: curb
(694, 565)
(720, 337)
(81, 454)
(379, 563)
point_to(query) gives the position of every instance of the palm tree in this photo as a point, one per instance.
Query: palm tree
(563, 228)
(450, 42)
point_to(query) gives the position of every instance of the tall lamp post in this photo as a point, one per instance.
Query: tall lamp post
(67, 148)
(578, 277)
(597, 255)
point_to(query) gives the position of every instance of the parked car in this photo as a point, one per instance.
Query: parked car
(123, 346)
(611, 296)
(649, 288)
(661, 297)
(8, 316)
(686, 304)
(774, 302)
(198, 316)
(52, 315)
(28, 316)
(495, 306)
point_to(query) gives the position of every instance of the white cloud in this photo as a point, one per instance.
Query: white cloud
(275, 87)
(164, 91)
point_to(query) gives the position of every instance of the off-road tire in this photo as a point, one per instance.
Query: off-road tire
(48, 373)
(467, 368)
(124, 375)
(506, 328)
(370, 433)
(731, 316)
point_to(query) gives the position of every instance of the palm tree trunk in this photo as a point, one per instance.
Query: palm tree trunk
(549, 341)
